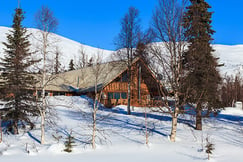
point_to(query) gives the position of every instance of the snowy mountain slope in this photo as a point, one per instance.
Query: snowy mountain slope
(126, 136)
(230, 56)
(69, 49)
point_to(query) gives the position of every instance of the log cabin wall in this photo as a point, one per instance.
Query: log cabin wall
(143, 88)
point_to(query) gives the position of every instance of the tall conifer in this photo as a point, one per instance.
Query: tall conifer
(16, 81)
(202, 77)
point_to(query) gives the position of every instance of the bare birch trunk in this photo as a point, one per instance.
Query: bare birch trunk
(95, 107)
(174, 125)
(43, 108)
(42, 128)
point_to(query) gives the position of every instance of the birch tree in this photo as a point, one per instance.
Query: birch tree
(96, 71)
(99, 76)
(127, 40)
(82, 58)
(47, 23)
(167, 19)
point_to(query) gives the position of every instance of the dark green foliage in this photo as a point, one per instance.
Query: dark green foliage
(201, 76)
(71, 65)
(16, 82)
(57, 64)
(91, 62)
(209, 147)
(69, 143)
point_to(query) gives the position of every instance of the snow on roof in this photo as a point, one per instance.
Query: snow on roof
(84, 79)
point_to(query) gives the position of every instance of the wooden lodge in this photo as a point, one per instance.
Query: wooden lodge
(110, 80)
(144, 87)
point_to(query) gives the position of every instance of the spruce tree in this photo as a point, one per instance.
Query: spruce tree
(57, 64)
(16, 81)
(202, 78)
(69, 143)
(209, 148)
(71, 65)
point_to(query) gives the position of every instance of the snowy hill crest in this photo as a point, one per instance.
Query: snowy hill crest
(68, 49)
(230, 56)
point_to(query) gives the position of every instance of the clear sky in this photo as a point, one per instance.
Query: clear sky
(97, 22)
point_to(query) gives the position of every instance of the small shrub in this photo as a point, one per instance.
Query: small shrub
(209, 147)
(69, 143)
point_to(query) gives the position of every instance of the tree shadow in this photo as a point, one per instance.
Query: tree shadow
(34, 138)
(66, 134)
(125, 122)
(129, 124)
(232, 119)
(160, 117)
(193, 156)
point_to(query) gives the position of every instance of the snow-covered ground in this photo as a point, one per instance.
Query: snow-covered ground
(124, 136)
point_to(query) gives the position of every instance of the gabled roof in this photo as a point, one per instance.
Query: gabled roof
(84, 80)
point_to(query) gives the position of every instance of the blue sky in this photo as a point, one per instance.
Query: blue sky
(97, 22)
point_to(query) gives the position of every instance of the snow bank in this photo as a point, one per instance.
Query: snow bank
(232, 111)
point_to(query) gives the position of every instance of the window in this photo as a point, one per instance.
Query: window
(117, 96)
(62, 93)
(123, 95)
(110, 95)
(39, 94)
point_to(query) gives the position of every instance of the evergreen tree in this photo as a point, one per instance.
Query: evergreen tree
(69, 143)
(71, 65)
(16, 81)
(209, 148)
(91, 62)
(57, 64)
(202, 77)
